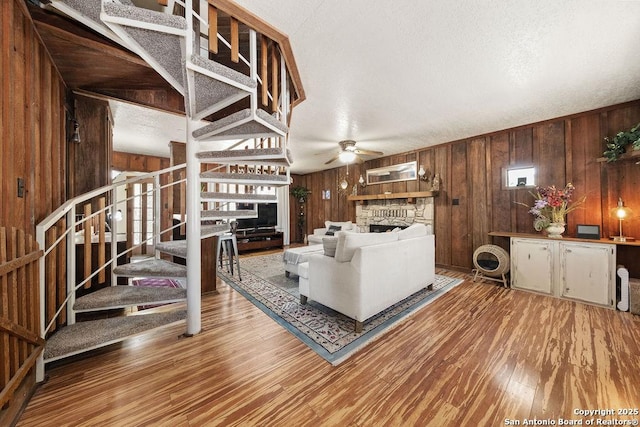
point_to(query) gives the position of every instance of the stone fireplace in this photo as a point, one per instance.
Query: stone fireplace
(396, 212)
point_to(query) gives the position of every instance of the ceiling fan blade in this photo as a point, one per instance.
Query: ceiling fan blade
(368, 152)
(332, 159)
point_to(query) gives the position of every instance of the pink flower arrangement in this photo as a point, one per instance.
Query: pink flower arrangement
(552, 205)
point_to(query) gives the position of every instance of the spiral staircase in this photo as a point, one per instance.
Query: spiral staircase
(228, 100)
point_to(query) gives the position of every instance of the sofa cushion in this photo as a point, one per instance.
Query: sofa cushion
(329, 244)
(413, 231)
(332, 230)
(345, 225)
(348, 242)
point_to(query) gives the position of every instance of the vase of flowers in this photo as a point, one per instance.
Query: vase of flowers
(550, 208)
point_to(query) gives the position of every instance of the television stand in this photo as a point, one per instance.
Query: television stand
(254, 239)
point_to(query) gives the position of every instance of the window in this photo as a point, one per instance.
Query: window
(518, 177)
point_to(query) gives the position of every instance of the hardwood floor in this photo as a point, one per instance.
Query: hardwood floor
(480, 355)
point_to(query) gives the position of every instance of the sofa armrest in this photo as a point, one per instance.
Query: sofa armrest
(319, 231)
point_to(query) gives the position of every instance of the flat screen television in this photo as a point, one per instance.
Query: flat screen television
(267, 217)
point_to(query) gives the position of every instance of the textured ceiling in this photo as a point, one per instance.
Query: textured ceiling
(397, 76)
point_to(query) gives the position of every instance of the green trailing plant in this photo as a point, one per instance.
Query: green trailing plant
(300, 193)
(617, 145)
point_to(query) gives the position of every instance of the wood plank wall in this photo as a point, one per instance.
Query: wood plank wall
(32, 142)
(563, 150)
(90, 160)
(32, 138)
(138, 162)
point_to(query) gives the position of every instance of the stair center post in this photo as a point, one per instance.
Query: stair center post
(194, 259)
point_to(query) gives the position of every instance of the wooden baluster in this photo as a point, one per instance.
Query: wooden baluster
(102, 250)
(13, 299)
(5, 355)
(264, 69)
(235, 40)
(87, 245)
(21, 294)
(144, 217)
(61, 272)
(50, 277)
(30, 290)
(213, 29)
(275, 65)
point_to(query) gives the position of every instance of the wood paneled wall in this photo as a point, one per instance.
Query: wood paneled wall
(32, 142)
(563, 150)
(90, 160)
(138, 162)
(32, 138)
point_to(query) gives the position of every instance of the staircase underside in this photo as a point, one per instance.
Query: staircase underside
(84, 336)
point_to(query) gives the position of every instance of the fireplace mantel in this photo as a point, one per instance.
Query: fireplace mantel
(409, 196)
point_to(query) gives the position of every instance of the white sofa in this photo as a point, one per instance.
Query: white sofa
(370, 271)
(319, 233)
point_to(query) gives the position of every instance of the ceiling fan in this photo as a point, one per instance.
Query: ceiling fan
(348, 152)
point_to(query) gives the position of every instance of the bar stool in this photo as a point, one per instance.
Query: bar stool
(228, 244)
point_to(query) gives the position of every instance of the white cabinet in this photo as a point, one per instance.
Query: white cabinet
(588, 272)
(577, 270)
(532, 265)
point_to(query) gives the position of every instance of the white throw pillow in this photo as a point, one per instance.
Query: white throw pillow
(413, 231)
(348, 242)
(344, 226)
(329, 244)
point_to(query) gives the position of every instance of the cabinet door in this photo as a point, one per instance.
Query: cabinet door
(532, 265)
(586, 272)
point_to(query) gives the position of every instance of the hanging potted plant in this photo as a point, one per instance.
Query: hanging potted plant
(617, 145)
(300, 193)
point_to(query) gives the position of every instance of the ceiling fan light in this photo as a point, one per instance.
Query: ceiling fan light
(347, 156)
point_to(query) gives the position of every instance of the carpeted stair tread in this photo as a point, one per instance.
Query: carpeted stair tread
(216, 214)
(173, 247)
(210, 92)
(90, 9)
(85, 336)
(148, 16)
(163, 48)
(255, 156)
(242, 124)
(125, 296)
(86, 12)
(244, 178)
(151, 268)
(246, 198)
(213, 229)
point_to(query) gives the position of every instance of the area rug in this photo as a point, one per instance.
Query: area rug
(329, 333)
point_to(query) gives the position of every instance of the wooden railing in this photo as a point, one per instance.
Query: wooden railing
(224, 29)
(20, 340)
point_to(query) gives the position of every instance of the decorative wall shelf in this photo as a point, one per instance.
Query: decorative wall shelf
(629, 155)
(409, 196)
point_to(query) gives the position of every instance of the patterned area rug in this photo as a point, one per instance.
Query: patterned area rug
(327, 332)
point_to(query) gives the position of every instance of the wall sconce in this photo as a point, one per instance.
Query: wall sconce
(361, 181)
(75, 136)
(422, 174)
(621, 212)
